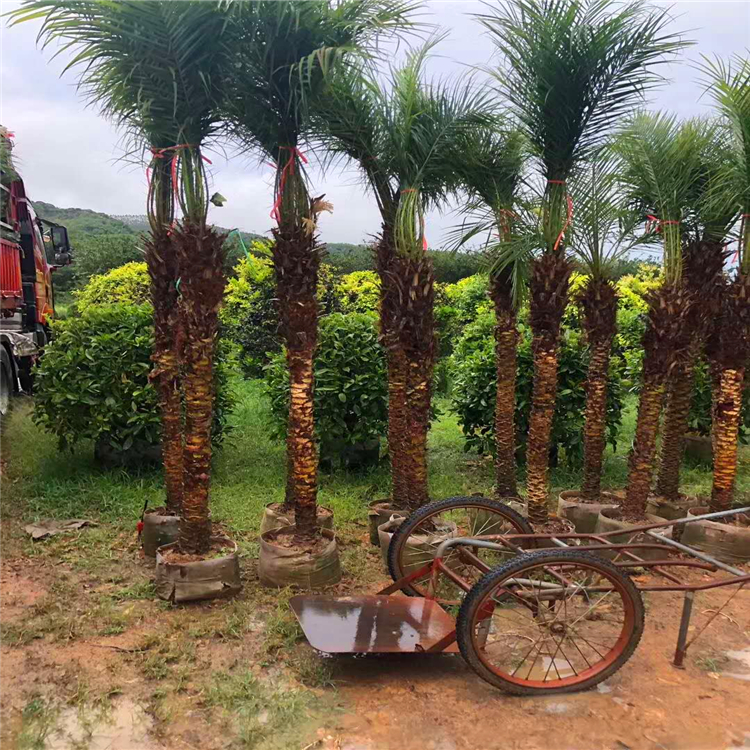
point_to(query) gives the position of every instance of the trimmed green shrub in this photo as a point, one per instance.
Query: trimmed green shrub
(359, 292)
(93, 381)
(249, 315)
(474, 385)
(351, 388)
(127, 284)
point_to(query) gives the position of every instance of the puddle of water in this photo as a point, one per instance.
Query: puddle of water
(124, 726)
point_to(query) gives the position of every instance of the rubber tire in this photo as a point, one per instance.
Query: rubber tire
(404, 531)
(6, 382)
(490, 580)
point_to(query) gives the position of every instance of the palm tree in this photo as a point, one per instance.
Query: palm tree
(600, 239)
(283, 55)
(489, 163)
(573, 69)
(403, 139)
(711, 214)
(661, 167)
(148, 66)
(729, 350)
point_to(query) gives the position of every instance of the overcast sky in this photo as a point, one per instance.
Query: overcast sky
(71, 157)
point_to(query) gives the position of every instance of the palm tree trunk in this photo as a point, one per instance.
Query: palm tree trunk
(641, 461)
(162, 267)
(506, 345)
(726, 423)
(669, 309)
(296, 260)
(201, 259)
(676, 423)
(549, 293)
(702, 270)
(414, 325)
(398, 371)
(599, 304)
(728, 348)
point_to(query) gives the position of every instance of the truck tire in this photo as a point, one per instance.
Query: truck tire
(6, 382)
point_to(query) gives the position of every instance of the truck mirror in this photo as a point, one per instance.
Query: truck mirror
(61, 246)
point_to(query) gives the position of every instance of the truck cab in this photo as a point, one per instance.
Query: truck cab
(27, 303)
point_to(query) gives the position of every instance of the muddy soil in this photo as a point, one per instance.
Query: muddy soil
(91, 660)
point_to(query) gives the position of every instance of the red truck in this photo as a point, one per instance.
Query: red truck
(26, 292)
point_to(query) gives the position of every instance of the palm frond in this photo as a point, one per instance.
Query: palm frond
(573, 68)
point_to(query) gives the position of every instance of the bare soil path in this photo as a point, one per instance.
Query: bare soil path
(90, 659)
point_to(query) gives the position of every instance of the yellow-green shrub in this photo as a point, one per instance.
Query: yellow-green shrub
(128, 284)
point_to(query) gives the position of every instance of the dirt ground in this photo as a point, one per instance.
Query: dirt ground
(90, 659)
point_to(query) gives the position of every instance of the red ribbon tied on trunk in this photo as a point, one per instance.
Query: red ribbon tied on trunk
(286, 172)
(655, 224)
(160, 153)
(569, 218)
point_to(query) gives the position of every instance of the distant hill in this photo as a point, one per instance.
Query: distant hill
(82, 221)
(139, 223)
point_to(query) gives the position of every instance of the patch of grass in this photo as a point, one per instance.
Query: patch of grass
(711, 662)
(138, 590)
(282, 631)
(311, 668)
(159, 654)
(38, 721)
(256, 711)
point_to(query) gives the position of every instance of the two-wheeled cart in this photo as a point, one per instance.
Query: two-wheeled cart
(530, 613)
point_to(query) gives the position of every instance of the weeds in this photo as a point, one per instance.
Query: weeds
(38, 721)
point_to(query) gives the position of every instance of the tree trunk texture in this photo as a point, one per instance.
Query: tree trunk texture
(676, 419)
(200, 258)
(398, 371)
(726, 422)
(506, 344)
(728, 349)
(161, 261)
(296, 258)
(414, 329)
(599, 304)
(703, 264)
(644, 447)
(669, 311)
(548, 288)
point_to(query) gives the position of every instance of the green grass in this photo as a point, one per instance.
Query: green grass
(249, 473)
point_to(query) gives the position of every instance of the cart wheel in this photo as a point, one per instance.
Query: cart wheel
(559, 621)
(414, 543)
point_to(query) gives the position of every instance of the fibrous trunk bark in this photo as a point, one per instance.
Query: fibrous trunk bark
(726, 423)
(398, 370)
(296, 258)
(548, 288)
(201, 260)
(728, 349)
(599, 304)
(669, 308)
(676, 424)
(414, 334)
(506, 345)
(161, 261)
(703, 264)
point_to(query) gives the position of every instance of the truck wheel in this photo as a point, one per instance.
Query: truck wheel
(6, 382)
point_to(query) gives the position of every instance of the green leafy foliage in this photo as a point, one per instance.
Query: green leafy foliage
(359, 292)
(128, 284)
(474, 384)
(93, 381)
(351, 389)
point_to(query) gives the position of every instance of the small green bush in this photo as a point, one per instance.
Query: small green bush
(359, 292)
(127, 284)
(351, 389)
(474, 385)
(93, 381)
(250, 316)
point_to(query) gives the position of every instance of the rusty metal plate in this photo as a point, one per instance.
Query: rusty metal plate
(372, 624)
